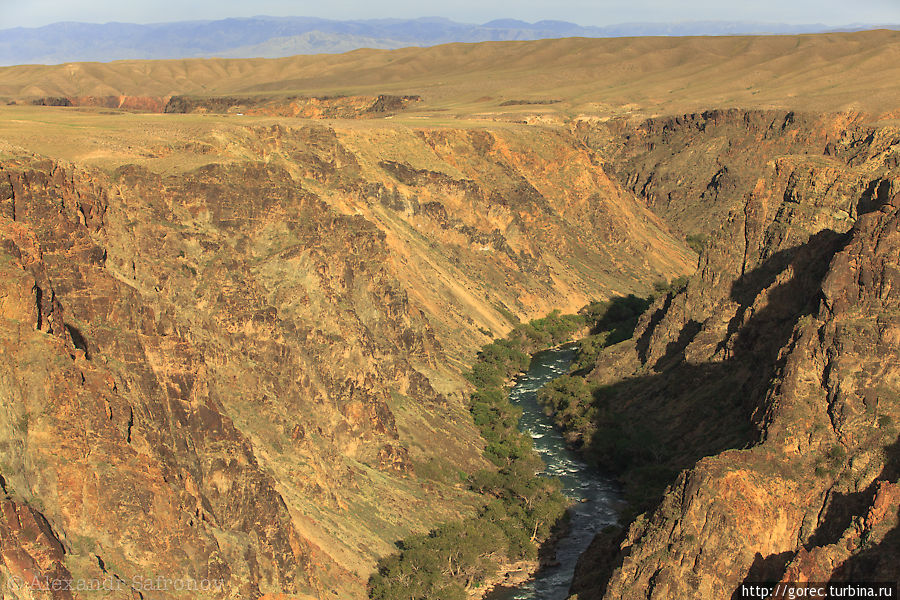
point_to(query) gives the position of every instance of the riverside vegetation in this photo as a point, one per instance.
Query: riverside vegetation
(588, 416)
(522, 507)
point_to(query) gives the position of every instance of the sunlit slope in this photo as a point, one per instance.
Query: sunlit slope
(856, 71)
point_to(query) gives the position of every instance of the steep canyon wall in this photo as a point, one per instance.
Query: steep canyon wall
(249, 371)
(767, 386)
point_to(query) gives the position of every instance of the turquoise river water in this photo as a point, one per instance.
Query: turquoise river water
(595, 497)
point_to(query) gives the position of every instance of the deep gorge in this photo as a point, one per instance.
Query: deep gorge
(270, 346)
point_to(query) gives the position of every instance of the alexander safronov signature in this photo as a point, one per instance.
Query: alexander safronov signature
(141, 583)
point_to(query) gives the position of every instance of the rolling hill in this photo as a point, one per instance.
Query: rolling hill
(273, 37)
(613, 76)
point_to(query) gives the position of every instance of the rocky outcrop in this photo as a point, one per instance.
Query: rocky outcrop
(817, 496)
(695, 170)
(308, 107)
(109, 425)
(150, 104)
(771, 376)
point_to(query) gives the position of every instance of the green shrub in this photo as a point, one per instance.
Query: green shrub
(696, 242)
(666, 288)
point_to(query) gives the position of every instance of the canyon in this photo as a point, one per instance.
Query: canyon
(236, 330)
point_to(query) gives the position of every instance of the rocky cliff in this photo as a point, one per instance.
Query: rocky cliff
(308, 107)
(771, 377)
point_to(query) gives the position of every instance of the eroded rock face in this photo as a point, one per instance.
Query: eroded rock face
(109, 425)
(308, 107)
(818, 494)
(239, 373)
(784, 344)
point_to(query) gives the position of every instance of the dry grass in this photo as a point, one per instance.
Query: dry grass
(163, 143)
(844, 71)
(463, 85)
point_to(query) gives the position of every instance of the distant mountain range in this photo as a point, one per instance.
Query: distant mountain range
(273, 37)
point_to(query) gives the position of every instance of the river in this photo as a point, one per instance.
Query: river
(595, 496)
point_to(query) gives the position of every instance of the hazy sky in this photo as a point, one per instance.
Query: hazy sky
(33, 13)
